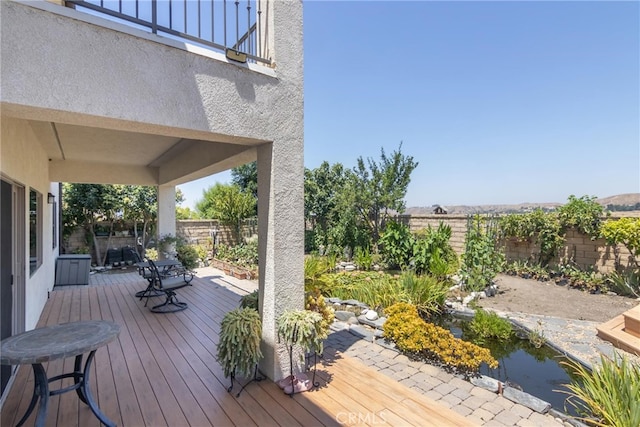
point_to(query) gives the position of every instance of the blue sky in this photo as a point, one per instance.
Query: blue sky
(498, 102)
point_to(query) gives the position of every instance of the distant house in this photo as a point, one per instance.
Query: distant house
(439, 210)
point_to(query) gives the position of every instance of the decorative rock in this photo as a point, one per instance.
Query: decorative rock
(364, 311)
(491, 290)
(353, 321)
(363, 305)
(334, 300)
(362, 332)
(350, 267)
(525, 399)
(378, 323)
(339, 326)
(371, 315)
(343, 316)
(351, 302)
(486, 383)
(466, 300)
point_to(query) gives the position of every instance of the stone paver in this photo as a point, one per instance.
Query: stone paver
(476, 404)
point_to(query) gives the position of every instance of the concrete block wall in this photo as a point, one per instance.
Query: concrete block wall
(579, 248)
(586, 253)
(458, 224)
(199, 231)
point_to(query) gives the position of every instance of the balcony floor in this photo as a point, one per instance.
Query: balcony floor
(162, 369)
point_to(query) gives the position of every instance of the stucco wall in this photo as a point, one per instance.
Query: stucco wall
(159, 87)
(23, 161)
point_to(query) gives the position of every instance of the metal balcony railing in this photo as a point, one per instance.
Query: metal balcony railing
(232, 27)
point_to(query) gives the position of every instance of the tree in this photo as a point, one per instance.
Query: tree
(380, 188)
(227, 203)
(140, 204)
(322, 189)
(185, 213)
(84, 205)
(246, 177)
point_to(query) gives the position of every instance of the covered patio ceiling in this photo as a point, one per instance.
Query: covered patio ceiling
(82, 153)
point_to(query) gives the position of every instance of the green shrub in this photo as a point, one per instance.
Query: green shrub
(397, 245)
(188, 256)
(483, 259)
(538, 227)
(608, 396)
(432, 253)
(487, 326)
(250, 300)
(363, 258)
(584, 214)
(426, 293)
(423, 340)
(625, 231)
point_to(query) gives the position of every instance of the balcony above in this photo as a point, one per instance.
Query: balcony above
(231, 27)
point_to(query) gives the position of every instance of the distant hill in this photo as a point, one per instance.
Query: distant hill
(620, 202)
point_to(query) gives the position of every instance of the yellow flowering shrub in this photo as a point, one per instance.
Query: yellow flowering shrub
(315, 302)
(413, 335)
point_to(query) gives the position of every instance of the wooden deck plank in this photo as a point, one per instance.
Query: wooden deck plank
(306, 413)
(201, 356)
(86, 417)
(129, 412)
(164, 363)
(167, 401)
(151, 412)
(208, 403)
(166, 366)
(384, 390)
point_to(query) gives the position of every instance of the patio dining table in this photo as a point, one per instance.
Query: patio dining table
(56, 342)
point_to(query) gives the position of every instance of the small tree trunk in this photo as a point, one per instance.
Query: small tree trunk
(106, 252)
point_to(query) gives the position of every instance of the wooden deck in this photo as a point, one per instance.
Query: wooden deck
(162, 371)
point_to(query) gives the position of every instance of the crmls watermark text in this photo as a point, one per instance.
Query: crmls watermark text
(370, 418)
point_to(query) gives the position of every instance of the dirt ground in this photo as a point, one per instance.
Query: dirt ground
(516, 294)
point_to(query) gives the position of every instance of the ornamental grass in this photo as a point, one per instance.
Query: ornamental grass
(608, 396)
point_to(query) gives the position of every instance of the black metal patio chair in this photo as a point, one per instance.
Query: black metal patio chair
(167, 285)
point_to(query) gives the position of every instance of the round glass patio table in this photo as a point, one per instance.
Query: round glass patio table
(56, 342)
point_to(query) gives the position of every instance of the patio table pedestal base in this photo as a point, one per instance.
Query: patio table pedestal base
(80, 385)
(49, 343)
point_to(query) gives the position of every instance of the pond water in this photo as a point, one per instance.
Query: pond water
(538, 371)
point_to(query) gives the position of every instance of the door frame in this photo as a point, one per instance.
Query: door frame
(17, 265)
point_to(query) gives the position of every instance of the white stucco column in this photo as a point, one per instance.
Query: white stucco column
(166, 211)
(280, 245)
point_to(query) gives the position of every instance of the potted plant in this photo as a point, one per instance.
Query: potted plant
(302, 329)
(239, 345)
